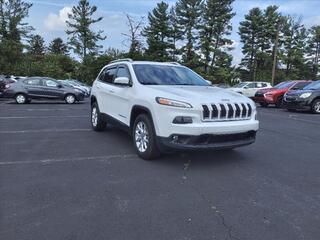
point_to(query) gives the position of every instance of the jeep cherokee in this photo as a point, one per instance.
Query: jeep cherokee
(166, 106)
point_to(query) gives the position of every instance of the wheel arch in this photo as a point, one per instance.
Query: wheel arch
(136, 111)
(93, 99)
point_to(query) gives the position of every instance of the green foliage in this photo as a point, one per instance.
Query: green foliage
(12, 31)
(57, 46)
(189, 17)
(36, 45)
(158, 33)
(82, 39)
(314, 50)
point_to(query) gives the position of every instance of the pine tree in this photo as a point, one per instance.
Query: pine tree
(188, 14)
(82, 39)
(294, 50)
(158, 33)
(57, 46)
(314, 49)
(251, 31)
(36, 45)
(12, 31)
(176, 33)
(214, 29)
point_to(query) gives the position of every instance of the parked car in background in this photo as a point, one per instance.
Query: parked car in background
(274, 95)
(249, 89)
(222, 85)
(24, 90)
(307, 98)
(73, 83)
(4, 81)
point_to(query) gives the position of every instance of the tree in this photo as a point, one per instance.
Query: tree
(215, 26)
(294, 50)
(251, 30)
(134, 37)
(36, 45)
(175, 33)
(12, 31)
(57, 46)
(158, 33)
(82, 39)
(188, 14)
(314, 49)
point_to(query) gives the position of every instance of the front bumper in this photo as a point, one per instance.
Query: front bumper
(263, 100)
(207, 141)
(302, 104)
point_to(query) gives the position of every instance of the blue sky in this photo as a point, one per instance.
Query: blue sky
(48, 16)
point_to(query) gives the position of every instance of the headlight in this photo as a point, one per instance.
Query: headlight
(172, 103)
(305, 95)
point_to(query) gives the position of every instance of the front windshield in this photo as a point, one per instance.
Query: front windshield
(240, 85)
(313, 86)
(148, 74)
(284, 85)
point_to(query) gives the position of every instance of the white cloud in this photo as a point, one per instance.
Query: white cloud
(57, 22)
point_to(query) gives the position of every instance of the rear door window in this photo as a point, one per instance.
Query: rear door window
(33, 82)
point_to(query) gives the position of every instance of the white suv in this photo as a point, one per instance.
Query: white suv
(166, 106)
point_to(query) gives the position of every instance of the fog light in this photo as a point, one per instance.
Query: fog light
(182, 120)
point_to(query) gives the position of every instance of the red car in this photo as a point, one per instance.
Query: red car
(275, 95)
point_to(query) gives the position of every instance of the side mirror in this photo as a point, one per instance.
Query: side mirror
(59, 86)
(122, 81)
(209, 82)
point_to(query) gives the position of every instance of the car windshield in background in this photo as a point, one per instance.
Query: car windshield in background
(313, 86)
(284, 85)
(240, 85)
(148, 74)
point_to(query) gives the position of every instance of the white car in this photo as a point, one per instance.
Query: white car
(249, 89)
(166, 106)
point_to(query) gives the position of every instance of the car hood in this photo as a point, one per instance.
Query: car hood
(199, 94)
(298, 92)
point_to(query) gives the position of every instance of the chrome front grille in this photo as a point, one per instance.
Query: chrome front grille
(226, 112)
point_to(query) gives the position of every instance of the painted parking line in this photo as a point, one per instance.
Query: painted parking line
(45, 109)
(38, 117)
(47, 131)
(57, 160)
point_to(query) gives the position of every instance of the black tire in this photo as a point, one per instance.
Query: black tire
(151, 150)
(279, 103)
(70, 99)
(315, 106)
(21, 98)
(28, 101)
(97, 122)
(264, 105)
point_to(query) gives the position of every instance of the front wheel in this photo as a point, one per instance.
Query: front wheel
(316, 106)
(70, 99)
(144, 138)
(21, 98)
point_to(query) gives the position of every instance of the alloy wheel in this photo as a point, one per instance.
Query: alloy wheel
(94, 116)
(70, 99)
(21, 99)
(142, 137)
(317, 107)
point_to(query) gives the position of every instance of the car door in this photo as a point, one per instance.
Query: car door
(104, 90)
(33, 87)
(121, 95)
(52, 89)
(249, 90)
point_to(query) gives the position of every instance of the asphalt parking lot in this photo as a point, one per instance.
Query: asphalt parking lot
(61, 180)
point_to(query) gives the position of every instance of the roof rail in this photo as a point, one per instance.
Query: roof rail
(122, 60)
(175, 63)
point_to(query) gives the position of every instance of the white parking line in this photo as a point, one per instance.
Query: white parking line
(37, 117)
(57, 160)
(47, 131)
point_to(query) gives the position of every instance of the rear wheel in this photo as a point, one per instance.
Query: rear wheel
(144, 138)
(70, 99)
(21, 98)
(97, 122)
(316, 106)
